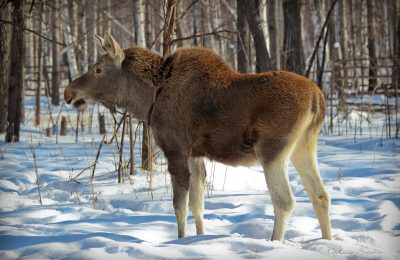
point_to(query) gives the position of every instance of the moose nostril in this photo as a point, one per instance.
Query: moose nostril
(68, 96)
(68, 100)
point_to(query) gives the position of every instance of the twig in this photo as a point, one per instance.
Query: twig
(131, 146)
(36, 33)
(121, 151)
(320, 38)
(201, 35)
(77, 126)
(116, 130)
(188, 8)
(373, 161)
(97, 157)
(340, 175)
(80, 173)
(226, 170)
(36, 172)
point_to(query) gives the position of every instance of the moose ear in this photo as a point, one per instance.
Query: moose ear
(99, 43)
(113, 49)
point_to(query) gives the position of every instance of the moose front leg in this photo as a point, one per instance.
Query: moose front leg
(180, 184)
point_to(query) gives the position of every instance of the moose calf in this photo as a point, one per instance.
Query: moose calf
(198, 107)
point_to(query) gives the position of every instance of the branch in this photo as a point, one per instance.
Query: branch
(97, 157)
(187, 9)
(320, 38)
(201, 35)
(112, 18)
(38, 34)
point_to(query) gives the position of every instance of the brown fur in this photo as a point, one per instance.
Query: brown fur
(205, 109)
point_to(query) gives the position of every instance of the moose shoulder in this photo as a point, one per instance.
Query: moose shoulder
(198, 107)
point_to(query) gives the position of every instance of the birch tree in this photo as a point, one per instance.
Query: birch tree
(140, 37)
(71, 57)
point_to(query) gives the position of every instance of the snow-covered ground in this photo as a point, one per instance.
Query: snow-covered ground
(102, 219)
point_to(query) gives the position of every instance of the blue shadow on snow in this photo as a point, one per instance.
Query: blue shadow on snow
(9, 242)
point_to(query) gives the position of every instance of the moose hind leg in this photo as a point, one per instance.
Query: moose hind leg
(196, 191)
(304, 159)
(276, 175)
(180, 185)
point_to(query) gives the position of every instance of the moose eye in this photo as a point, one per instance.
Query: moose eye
(98, 71)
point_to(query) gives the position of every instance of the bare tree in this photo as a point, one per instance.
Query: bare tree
(16, 79)
(263, 62)
(140, 37)
(343, 33)
(140, 40)
(55, 75)
(273, 31)
(292, 42)
(40, 67)
(82, 36)
(91, 29)
(5, 41)
(71, 57)
(242, 64)
(372, 81)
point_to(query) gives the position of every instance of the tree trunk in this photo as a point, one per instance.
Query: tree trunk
(55, 75)
(372, 81)
(292, 42)
(91, 28)
(263, 62)
(39, 64)
(102, 124)
(343, 34)
(242, 64)
(273, 31)
(68, 38)
(63, 130)
(216, 21)
(318, 15)
(16, 80)
(262, 11)
(5, 41)
(148, 26)
(140, 37)
(396, 44)
(82, 36)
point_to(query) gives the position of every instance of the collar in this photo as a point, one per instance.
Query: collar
(165, 72)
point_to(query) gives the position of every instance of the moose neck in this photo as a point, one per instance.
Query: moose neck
(140, 81)
(136, 96)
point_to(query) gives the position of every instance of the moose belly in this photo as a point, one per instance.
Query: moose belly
(228, 148)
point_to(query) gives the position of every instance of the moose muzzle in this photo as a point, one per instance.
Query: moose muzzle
(71, 98)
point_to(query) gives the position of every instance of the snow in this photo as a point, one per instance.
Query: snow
(102, 219)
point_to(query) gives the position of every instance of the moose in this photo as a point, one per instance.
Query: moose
(198, 107)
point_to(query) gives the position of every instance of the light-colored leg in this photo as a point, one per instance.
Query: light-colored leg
(281, 195)
(196, 191)
(304, 158)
